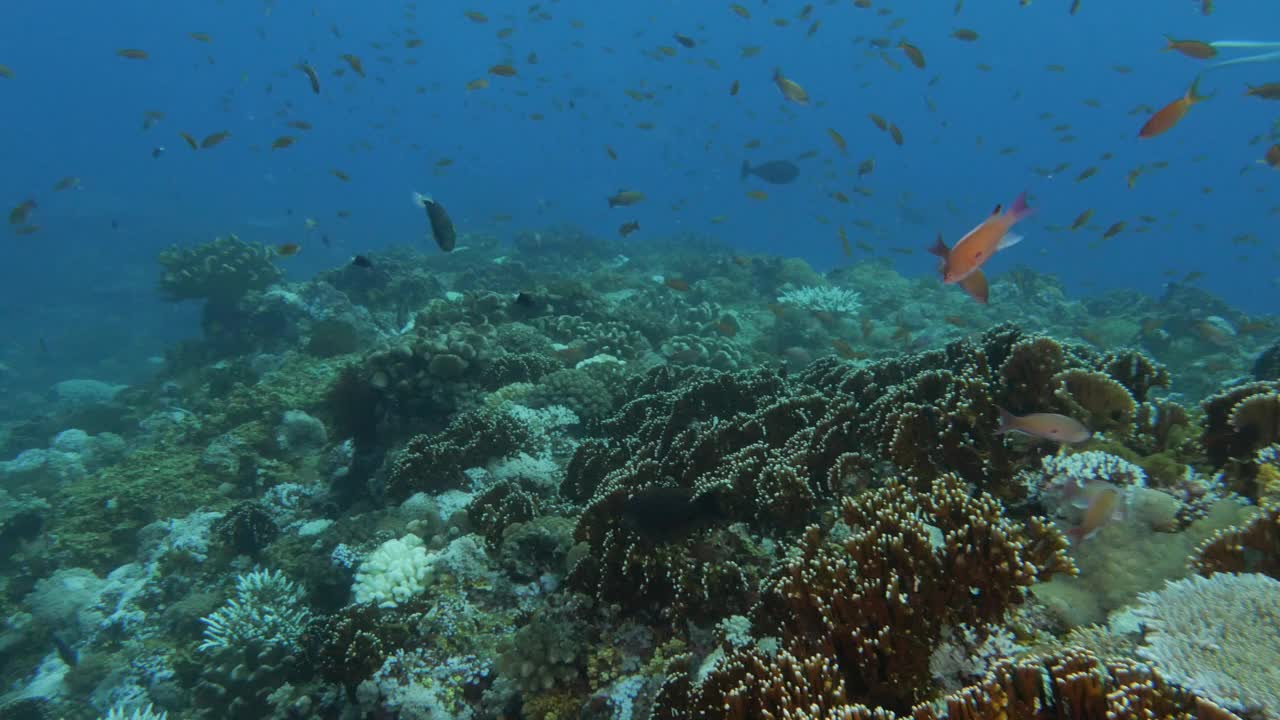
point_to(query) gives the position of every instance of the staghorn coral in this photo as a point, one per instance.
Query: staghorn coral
(222, 270)
(911, 565)
(822, 298)
(251, 644)
(1070, 683)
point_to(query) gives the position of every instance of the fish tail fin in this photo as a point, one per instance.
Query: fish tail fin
(1193, 92)
(1008, 421)
(939, 248)
(1168, 43)
(745, 171)
(1020, 209)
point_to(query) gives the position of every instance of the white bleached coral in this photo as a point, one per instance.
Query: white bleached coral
(268, 610)
(146, 713)
(1217, 636)
(395, 572)
(820, 298)
(1080, 469)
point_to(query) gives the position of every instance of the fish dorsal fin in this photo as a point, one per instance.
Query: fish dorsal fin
(999, 207)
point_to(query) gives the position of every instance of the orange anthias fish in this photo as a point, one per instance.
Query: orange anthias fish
(1048, 426)
(1170, 114)
(960, 264)
(1102, 502)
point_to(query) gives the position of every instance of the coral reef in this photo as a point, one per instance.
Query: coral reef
(551, 480)
(222, 270)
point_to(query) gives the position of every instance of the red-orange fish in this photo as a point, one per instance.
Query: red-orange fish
(1047, 426)
(1169, 115)
(961, 264)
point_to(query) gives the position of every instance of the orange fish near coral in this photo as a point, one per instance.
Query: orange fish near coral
(1047, 426)
(960, 264)
(1102, 502)
(1170, 114)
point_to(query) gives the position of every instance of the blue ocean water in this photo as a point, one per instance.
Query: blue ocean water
(73, 108)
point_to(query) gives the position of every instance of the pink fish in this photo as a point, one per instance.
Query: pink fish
(1047, 426)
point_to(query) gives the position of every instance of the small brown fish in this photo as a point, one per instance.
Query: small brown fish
(624, 198)
(6, 72)
(1081, 219)
(896, 134)
(789, 88)
(200, 37)
(677, 284)
(18, 215)
(67, 183)
(733, 88)
(1171, 114)
(340, 175)
(628, 227)
(1191, 48)
(838, 139)
(502, 70)
(613, 155)
(288, 249)
(478, 84)
(214, 139)
(684, 40)
(312, 77)
(357, 66)
(913, 53)
(1272, 158)
(132, 54)
(1114, 230)
(1046, 426)
(965, 34)
(1266, 91)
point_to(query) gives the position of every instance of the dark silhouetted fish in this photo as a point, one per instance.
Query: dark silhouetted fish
(664, 513)
(441, 225)
(777, 172)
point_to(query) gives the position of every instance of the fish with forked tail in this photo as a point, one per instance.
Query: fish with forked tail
(441, 226)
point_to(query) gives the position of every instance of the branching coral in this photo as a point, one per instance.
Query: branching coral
(912, 564)
(431, 463)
